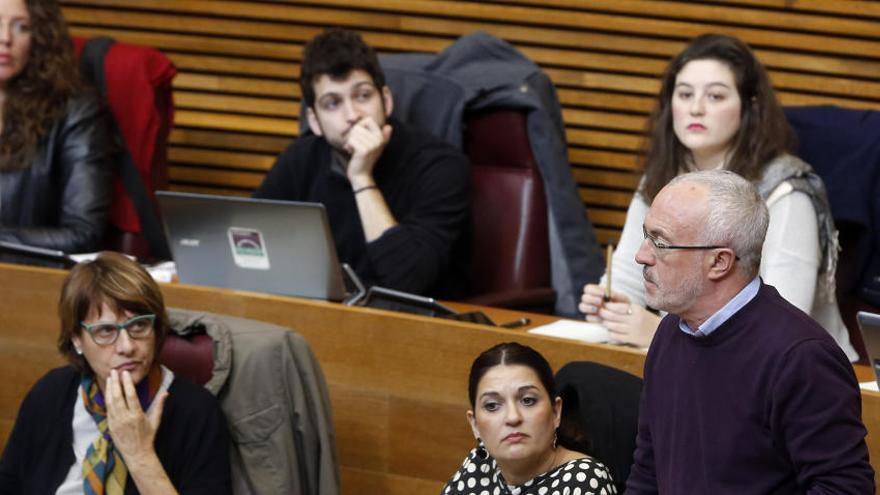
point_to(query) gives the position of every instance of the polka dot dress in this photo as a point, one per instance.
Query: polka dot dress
(480, 476)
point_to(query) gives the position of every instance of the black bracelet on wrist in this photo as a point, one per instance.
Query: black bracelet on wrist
(362, 189)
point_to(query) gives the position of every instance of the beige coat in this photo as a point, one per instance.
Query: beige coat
(272, 391)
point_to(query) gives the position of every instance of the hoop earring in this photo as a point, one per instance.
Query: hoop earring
(481, 452)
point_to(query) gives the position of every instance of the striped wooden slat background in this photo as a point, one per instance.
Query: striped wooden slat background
(237, 98)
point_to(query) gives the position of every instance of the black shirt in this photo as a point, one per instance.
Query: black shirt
(192, 442)
(426, 184)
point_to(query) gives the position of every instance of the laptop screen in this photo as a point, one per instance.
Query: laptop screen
(281, 247)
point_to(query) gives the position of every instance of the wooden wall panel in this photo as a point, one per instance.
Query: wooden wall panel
(238, 100)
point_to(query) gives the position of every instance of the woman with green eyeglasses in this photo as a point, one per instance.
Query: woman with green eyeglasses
(114, 421)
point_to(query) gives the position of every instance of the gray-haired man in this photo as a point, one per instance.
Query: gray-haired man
(744, 393)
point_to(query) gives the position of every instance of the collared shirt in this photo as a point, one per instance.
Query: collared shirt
(719, 317)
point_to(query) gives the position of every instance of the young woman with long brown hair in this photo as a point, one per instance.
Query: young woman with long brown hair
(717, 109)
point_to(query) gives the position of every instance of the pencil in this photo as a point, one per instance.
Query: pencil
(609, 253)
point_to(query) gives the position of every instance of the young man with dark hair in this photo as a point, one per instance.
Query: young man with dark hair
(397, 198)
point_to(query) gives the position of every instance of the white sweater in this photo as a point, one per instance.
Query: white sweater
(789, 260)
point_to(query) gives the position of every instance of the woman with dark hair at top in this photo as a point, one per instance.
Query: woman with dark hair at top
(522, 447)
(114, 421)
(55, 150)
(717, 109)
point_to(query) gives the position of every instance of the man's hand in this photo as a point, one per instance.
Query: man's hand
(626, 322)
(365, 143)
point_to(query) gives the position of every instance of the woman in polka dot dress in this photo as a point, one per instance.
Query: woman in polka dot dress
(522, 448)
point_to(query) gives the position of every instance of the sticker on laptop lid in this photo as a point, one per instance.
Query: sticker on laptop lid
(248, 248)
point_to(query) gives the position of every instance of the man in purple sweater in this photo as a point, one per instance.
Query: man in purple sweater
(744, 393)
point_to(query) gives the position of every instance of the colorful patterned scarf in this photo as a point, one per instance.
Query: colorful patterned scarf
(104, 470)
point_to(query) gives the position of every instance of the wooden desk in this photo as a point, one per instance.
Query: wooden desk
(398, 383)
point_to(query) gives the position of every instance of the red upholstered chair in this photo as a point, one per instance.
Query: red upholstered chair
(138, 92)
(511, 252)
(191, 356)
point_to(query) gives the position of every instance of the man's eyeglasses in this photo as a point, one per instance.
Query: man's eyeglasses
(660, 245)
(106, 333)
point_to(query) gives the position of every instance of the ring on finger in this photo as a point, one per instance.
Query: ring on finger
(629, 310)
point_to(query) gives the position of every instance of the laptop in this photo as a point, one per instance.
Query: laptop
(280, 247)
(869, 324)
(11, 252)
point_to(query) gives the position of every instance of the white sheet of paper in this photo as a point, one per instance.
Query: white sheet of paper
(163, 272)
(81, 257)
(575, 330)
(869, 386)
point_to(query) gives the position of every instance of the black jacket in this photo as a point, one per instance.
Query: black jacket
(192, 442)
(63, 199)
(479, 72)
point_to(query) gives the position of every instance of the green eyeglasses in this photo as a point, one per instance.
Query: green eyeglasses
(106, 333)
